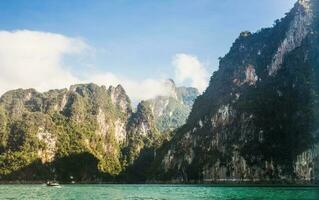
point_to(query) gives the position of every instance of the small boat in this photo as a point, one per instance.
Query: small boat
(53, 184)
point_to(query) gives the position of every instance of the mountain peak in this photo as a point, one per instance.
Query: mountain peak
(85, 88)
(308, 5)
(298, 29)
(305, 3)
(243, 127)
(119, 87)
(170, 84)
(120, 98)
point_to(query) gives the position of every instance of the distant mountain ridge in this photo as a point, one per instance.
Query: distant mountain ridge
(44, 135)
(170, 112)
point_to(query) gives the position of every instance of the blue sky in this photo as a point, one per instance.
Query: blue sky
(139, 39)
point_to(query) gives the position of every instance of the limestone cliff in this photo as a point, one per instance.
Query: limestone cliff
(86, 132)
(258, 119)
(57, 125)
(155, 119)
(171, 112)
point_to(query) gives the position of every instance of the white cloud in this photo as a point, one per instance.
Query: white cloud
(137, 90)
(31, 59)
(189, 68)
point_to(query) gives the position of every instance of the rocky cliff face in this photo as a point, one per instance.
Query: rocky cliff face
(171, 112)
(120, 99)
(258, 119)
(156, 118)
(48, 127)
(142, 132)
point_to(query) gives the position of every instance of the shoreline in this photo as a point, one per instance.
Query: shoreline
(224, 184)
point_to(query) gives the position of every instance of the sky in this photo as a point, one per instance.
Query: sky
(137, 43)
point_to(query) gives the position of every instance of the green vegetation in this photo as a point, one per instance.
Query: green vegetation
(74, 135)
(72, 129)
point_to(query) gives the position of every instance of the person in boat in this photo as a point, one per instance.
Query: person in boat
(50, 183)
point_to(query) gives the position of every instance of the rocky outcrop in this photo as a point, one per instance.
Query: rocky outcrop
(156, 118)
(307, 164)
(142, 122)
(120, 99)
(58, 123)
(141, 132)
(299, 28)
(48, 151)
(171, 112)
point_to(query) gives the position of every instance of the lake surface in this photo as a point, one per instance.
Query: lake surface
(152, 192)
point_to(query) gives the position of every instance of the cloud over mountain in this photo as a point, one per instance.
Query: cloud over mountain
(189, 68)
(34, 59)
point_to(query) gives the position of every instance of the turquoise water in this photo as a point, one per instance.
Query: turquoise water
(161, 192)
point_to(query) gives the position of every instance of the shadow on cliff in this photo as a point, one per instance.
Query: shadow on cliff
(81, 167)
(140, 170)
